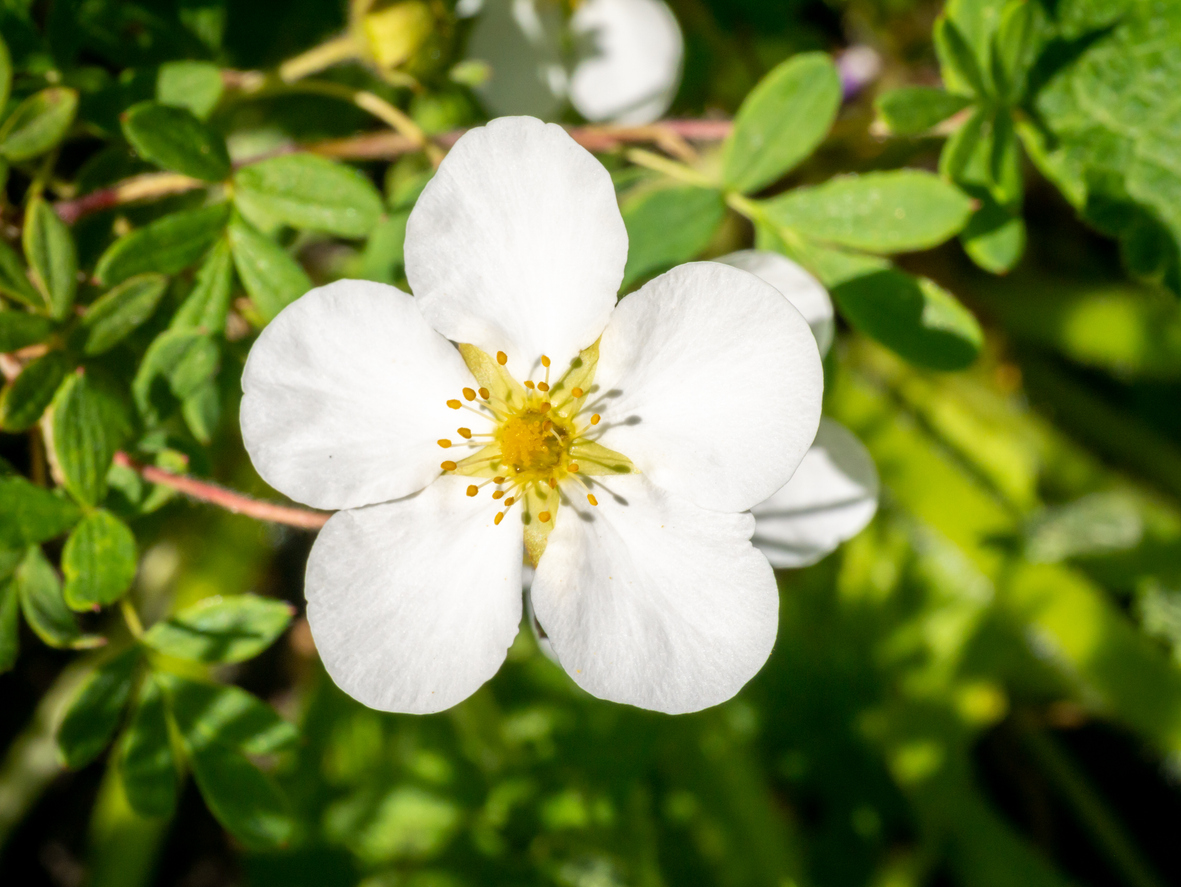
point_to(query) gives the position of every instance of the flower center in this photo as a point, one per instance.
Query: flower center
(540, 445)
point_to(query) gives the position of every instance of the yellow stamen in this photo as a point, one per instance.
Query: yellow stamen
(501, 358)
(498, 480)
(545, 361)
(595, 419)
(465, 433)
(553, 483)
(544, 517)
(529, 385)
(472, 490)
(444, 444)
(499, 517)
(469, 394)
(590, 497)
(573, 466)
(449, 466)
(454, 404)
(510, 500)
(485, 393)
(498, 494)
(542, 386)
(577, 392)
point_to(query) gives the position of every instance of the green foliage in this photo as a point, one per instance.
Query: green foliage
(668, 226)
(206, 307)
(114, 316)
(49, 248)
(26, 397)
(196, 86)
(32, 514)
(9, 623)
(90, 422)
(174, 139)
(147, 765)
(18, 329)
(44, 606)
(98, 561)
(913, 110)
(95, 713)
(310, 192)
(229, 629)
(272, 278)
(168, 245)
(38, 123)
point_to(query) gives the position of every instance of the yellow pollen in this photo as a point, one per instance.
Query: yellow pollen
(472, 490)
(485, 393)
(469, 394)
(444, 444)
(528, 384)
(577, 392)
(553, 483)
(572, 467)
(527, 446)
(542, 386)
(498, 494)
(544, 517)
(454, 404)
(595, 419)
(498, 480)
(501, 358)
(499, 517)
(509, 501)
(590, 497)
(545, 361)
(465, 433)
(449, 466)
(545, 406)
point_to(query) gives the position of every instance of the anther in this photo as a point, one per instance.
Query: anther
(449, 465)
(542, 386)
(573, 467)
(544, 517)
(472, 490)
(498, 480)
(547, 425)
(465, 433)
(590, 497)
(498, 494)
(444, 444)
(529, 384)
(545, 406)
(469, 394)
(485, 393)
(454, 404)
(499, 517)
(509, 501)
(553, 483)
(577, 392)
(545, 361)
(595, 419)
(501, 358)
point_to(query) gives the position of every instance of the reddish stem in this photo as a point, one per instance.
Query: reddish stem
(227, 499)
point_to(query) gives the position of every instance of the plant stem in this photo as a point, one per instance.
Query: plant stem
(670, 168)
(131, 618)
(154, 184)
(338, 49)
(237, 503)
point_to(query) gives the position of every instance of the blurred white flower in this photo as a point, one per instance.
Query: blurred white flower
(622, 63)
(626, 479)
(834, 492)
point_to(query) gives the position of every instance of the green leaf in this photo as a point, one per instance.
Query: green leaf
(96, 711)
(913, 110)
(962, 72)
(25, 398)
(241, 797)
(1015, 47)
(194, 85)
(202, 411)
(44, 607)
(994, 237)
(223, 714)
(9, 624)
(98, 562)
(5, 74)
(19, 328)
(885, 212)
(217, 629)
(38, 123)
(32, 514)
(174, 139)
(146, 763)
(49, 248)
(14, 282)
(90, 422)
(781, 122)
(914, 317)
(272, 278)
(308, 192)
(206, 307)
(168, 245)
(385, 249)
(176, 365)
(115, 315)
(668, 226)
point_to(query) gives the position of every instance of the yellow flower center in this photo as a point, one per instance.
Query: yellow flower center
(540, 446)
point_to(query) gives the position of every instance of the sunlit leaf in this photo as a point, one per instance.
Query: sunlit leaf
(306, 191)
(38, 123)
(146, 762)
(174, 139)
(91, 719)
(668, 226)
(49, 248)
(186, 84)
(168, 245)
(98, 561)
(44, 607)
(115, 315)
(273, 279)
(90, 422)
(26, 397)
(229, 629)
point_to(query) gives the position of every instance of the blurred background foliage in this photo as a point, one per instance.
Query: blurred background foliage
(981, 689)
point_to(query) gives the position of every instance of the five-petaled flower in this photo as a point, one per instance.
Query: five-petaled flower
(512, 406)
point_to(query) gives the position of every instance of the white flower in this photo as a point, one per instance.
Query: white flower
(625, 65)
(834, 492)
(708, 384)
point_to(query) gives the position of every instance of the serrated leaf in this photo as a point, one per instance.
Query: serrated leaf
(98, 561)
(308, 192)
(962, 72)
(885, 212)
(781, 122)
(272, 278)
(19, 328)
(174, 139)
(222, 714)
(14, 281)
(168, 245)
(241, 797)
(90, 422)
(115, 315)
(25, 398)
(38, 123)
(176, 364)
(9, 624)
(217, 629)
(913, 110)
(44, 607)
(206, 307)
(96, 711)
(668, 226)
(49, 249)
(146, 762)
(194, 85)
(32, 514)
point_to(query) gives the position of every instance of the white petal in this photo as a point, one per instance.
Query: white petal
(710, 382)
(629, 60)
(520, 41)
(830, 498)
(650, 600)
(801, 288)
(413, 604)
(517, 244)
(344, 396)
